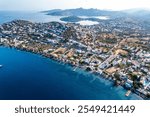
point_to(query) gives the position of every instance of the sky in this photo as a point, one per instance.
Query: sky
(40, 5)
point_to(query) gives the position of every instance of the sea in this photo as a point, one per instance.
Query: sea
(6, 16)
(28, 76)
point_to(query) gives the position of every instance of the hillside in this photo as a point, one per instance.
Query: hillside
(84, 12)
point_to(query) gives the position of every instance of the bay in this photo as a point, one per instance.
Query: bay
(8, 16)
(27, 76)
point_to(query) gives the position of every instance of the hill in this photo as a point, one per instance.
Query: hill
(84, 12)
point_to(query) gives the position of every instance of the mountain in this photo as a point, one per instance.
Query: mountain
(136, 11)
(84, 12)
(139, 13)
(136, 14)
(94, 12)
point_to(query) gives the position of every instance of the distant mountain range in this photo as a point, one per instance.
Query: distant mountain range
(74, 15)
(140, 13)
(96, 12)
(81, 12)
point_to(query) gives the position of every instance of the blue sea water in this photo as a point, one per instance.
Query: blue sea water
(29, 76)
(7, 16)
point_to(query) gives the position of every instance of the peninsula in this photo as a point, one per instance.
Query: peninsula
(118, 49)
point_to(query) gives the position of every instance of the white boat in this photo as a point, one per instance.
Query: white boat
(1, 66)
(128, 93)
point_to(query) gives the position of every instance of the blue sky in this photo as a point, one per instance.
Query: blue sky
(27, 5)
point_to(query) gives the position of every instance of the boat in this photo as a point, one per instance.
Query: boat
(75, 69)
(128, 93)
(1, 66)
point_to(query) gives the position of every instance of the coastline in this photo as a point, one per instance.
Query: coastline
(113, 47)
(75, 68)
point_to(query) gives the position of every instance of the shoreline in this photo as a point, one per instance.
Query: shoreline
(73, 66)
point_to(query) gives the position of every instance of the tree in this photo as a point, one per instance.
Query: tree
(133, 77)
(88, 69)
(137, 85)
(117, 76)
(148, 95)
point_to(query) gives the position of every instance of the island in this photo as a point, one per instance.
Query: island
(75, 19)
(71, 19)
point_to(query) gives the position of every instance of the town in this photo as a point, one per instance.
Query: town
(119, 49)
